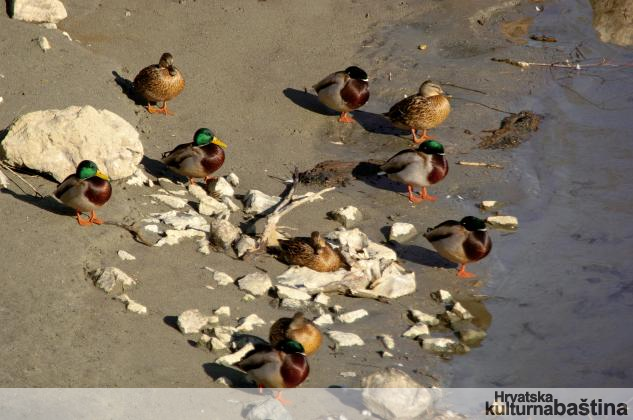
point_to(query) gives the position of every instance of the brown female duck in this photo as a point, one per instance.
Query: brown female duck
(198, 159)
(344, 91)
(462, 242)
(426, 110)
(160, 83)
(299, 329)
(313, 252)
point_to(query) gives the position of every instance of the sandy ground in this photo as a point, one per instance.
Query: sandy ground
(246, 66)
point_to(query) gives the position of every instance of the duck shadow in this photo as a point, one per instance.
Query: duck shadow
(10, 8)
(47, 203)
(374, 123)
(158, 169)
(420, 255)
(236, 378)
(127, 87)
(381, 182)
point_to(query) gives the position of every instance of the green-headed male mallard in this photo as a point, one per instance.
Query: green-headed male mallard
(160, 83)
(85, 190)
(418, 168)
(426, 110)
(313, 252)
(462, 242)
(198, 159)
(344, 91)
(284, 366)
(299, 329)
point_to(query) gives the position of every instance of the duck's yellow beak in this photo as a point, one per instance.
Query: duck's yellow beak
(219, 142)
(102, 175)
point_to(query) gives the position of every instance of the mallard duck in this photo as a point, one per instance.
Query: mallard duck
(160, 83)
(461, 242)
(426, 110)
(313, 252)
(418, 168)
(299, 329)
(284, 366)
(85, 190)
(344, 91)
(198, 159)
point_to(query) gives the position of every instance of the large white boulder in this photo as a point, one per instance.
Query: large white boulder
(55, 141)
(392, 394)
(39, 10)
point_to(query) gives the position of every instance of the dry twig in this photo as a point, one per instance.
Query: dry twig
(37, 193)
(482, 164)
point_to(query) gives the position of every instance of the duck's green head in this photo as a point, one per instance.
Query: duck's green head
(356, 73)
(87, 169)
(472, 224)
(431, 147)
(291, 346)
(204, 136)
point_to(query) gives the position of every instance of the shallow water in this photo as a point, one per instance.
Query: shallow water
(562, 287)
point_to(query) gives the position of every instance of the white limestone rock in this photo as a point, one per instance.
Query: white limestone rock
(487, 204)
(209, 206)
(291, 304)
(423, 318)
(417, 330)
(194, 189)
(112, 279)
(352, 316)
(139, 178)
(505, 222)
(392, 394)
(443, 345)
(387, 341)
(233, 179)
(222, 311)
(43, 43)
(125, 256)
(348, 216)
(257, 202)
(192, 321)
(132, 305)
(231, 359)
(181, 220)
(220, 187)
(290, 292)
(170, 200)
(461, 312)
(322, 299)
(55, 141)
(442, 296)
(223, 233)
(173, 237)
(402, 232)
(343, 339)
(223, 279)
(248, 323)
(325, 319)
(244, 245)
(269, 409)
(224, 333)
(256, 284)
(394, 282)
(230, 204)
(37, 11)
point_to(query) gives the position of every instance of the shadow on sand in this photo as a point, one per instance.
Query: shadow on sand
(127, 87)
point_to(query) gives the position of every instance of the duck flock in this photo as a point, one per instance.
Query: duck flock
(283, 363)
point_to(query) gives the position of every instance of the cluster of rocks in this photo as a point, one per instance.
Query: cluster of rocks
(116, 283)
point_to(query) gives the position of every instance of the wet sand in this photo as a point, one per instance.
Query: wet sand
(246, 67)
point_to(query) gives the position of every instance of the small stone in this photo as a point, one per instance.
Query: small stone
(366, 413)
(442, 296)
(233, 179)
(173, 237)
(402, 232)
(216, 344)
(325, 319)
(386, 354)
(222, 381)
(470, 334)
(461, 312)
(322, 299)
(349, 317)
(204, 246)
(348, 374)
(256, 202)
(343, 339)
(191, 321)
(224, 233)
(289, 292)
(152, 228)
(43, 43)
(204, 341)
(209, 206)
(394, 282)
(392, 394)
(128, 13)
(269, 409)
(39, 10)
(231, 359)
(292, 304)
(422, 47)
(223, 333)
(220, 187)
(244, 245)
(250, 322)
(387, 341)
(487, 204)
(248, 298)
(171, 201)
(230, 204)
(223, 279)
(111, 278)
(132, 305)
(505, 222)
(48, 25)
(416, 331)
(223, 311)
(348, 216)
(337, 309)
(4, 181)
(443, 345)
(424, 318)
(125, 256)
(256, 284)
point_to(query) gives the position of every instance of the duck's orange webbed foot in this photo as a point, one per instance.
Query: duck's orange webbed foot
(414, 199)
(345, 118)
(82, 221)
(94, 219)
(465, 274)
(422, 138)
(210, 178)
(426, 196)
(162, 110)
(281, 400)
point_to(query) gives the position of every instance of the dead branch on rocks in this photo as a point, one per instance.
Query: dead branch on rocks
(136, 232)
(288, 203)
(567, 64)
(37, 193)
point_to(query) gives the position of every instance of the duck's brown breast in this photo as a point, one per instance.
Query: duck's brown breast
(355, 93)
(440, 169)
(213, 159)
(99, 191)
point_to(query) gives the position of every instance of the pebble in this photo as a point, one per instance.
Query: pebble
(506, 222)
(126, 256)
(269, 409)
(223, 333)
(249, 322)
(322, 299)
(223, 279)
(343, 339)
(487, 204)
(231, 359)
(255, 283)
(461, 312)
(402, 232)
(111, 278)
(217, 344)
(248, 298)
(349, 317)
(209, 206)
(325, 319)
(387, 341)
(442, 296)
(233, 179)
(138, 178)
(204, 246)
(220, 187)
(171, 201)
(173, 237)
(192, 321)
(244, 245)
(43, 43)
(291, 304)
(386, 354)
(424, 318)
(442, 345)
(349, 216)
(348, 374)
(285, 292)
(132, 305)
(194, 189)
(223, 311)
(223, 382)
(416, 331)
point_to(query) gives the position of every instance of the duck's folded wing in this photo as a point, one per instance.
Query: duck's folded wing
(327, 81)
(180, 153)
(257, 358)
(441, 231)
(399, 161)
(66, 184)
